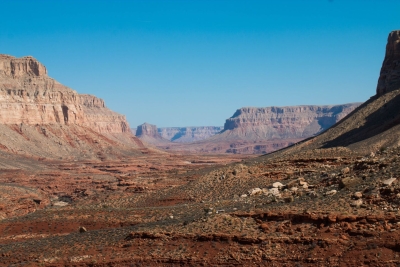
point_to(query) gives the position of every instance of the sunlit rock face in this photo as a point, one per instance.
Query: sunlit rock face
(290, 122)
(29, 96)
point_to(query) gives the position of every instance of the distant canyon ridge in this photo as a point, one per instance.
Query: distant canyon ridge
(250, 130)
(42, 118)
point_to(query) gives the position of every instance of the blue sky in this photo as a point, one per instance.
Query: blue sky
(193, 63)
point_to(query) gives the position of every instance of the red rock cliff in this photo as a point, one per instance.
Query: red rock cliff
(29, 96)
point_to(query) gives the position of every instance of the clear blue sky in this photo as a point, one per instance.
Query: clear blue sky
(193, 63)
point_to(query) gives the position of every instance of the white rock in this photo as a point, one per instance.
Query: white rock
(255, 191)
(60, 203)
(277, 185)
(331, 193)
(389, 181)
(275, 192)
(243, 196)
(293, 189)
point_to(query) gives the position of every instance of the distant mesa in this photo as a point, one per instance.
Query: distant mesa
(250, 130)
(189, 134)
(151, 134)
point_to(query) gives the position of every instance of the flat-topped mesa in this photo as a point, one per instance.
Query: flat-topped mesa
(18, 67)
(389, 79)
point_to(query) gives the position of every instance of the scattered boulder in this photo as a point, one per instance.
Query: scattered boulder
(60, 203)
(293, 189)
(356, 203)
(275, 192)
(82, 229)
(255, 191)
(349, 182)
(345, 170)
(303, 184)
(331, 193)
(357, 195)
(277, 185)
(389, 181)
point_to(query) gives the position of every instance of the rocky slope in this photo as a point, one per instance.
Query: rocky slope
(373, 126)
(188, 134)
(36, 111)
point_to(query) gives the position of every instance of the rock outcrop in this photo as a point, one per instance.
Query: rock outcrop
(149, 133)
(291, 122)
(147, 129)
(29, 96)
(389, 78)
(188, 134)
(31, 101)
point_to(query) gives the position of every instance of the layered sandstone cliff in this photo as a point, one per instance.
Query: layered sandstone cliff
(188, 134)
(389, 78)
(29, 96)
(293, 122)
(41, 117)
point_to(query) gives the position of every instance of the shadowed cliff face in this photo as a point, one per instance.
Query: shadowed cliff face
(29, 96)
(389, 78)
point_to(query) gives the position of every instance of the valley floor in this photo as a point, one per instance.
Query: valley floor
(320, 208)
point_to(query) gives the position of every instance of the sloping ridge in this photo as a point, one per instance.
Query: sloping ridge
(375, 124)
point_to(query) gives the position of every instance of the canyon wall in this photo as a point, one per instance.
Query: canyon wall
(29, 96)
(389, 78)
(42, 118)
(293, 122)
